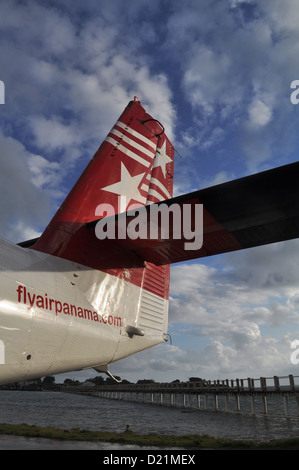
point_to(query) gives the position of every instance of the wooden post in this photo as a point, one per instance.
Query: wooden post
(253, 410)
(292, 382)
(263, 384)
(198, 402)
(226, 402)
(206, 401)
(175, 398)
(238, 401)
(265, 405)
(286, 405)
(216, 402)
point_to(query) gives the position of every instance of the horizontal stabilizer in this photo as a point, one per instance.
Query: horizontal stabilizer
(244, 213)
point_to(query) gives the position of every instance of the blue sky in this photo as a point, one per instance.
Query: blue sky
(217, 74)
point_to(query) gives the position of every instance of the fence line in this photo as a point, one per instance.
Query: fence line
(218, 395)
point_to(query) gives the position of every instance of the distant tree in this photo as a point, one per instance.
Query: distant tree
(71, 382)
(50, 379)
(110, 381)
(98, 380)
(145, 381)
(195, 379)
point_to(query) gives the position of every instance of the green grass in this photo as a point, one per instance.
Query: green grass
(149, 440)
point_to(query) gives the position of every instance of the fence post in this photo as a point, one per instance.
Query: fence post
(264, 398)
(206, 401)
(238, 401)
(216, 402)
(286, 405)
(252, 404)
(292, 382)
(198, 402)
(263, 384)
(226, 403)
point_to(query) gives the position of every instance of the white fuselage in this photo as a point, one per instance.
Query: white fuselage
(58, 316)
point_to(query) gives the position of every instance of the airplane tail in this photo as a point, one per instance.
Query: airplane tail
(133, 167)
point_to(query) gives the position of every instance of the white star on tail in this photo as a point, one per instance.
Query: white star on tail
(127, 186)
(162, 159)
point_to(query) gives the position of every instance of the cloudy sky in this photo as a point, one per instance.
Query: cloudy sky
(217, 74)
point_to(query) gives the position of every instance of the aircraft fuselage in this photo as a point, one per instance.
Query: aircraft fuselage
(58, 316)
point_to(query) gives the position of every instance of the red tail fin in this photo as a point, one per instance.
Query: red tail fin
(134, 165)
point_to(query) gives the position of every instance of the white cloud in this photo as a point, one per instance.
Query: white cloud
(236, 74)
(76, 79)
(24, 232)
(235, 309)
(263, 356)
(284, 16)
(43, 171)
(259, 113)
(23, 207)
(52, 134)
